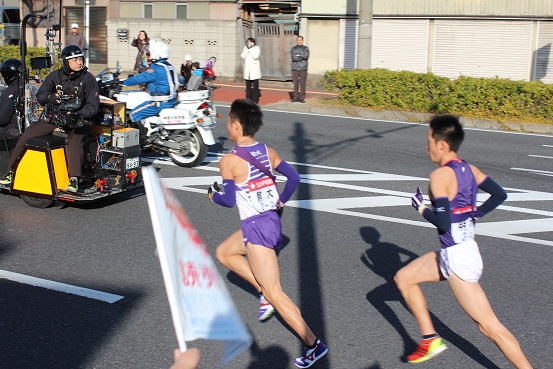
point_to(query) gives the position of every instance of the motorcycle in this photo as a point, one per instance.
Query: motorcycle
(112, 155)
(183, 132)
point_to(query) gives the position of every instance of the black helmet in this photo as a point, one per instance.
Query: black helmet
(70, 52)
(11, 69)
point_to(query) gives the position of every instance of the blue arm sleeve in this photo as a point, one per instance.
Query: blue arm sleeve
(144, 77)
(441, 215)
(292, 182)
(497, 196)
(228, 197)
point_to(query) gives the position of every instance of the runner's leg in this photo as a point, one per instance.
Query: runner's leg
(473, 300)
(423, 269)
(264, 265)
(231, 253)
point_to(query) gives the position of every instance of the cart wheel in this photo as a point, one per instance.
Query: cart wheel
(37, 202)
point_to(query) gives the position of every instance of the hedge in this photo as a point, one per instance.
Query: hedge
(489, 98)
(12, 52)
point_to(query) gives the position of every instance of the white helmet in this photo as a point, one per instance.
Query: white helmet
(158, 50)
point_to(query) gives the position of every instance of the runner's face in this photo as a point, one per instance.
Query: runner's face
(433, 147)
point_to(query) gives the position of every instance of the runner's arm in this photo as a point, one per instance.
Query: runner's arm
(441, 215)
(228, 197)
(292, 182)
(497, 196)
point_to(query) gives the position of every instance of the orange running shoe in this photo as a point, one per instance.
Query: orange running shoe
(427, 349)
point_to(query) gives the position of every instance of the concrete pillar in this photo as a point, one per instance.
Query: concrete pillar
(365, 34)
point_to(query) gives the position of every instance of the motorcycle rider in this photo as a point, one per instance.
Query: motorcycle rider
(161, 80)
(73, 83)
(9, 128)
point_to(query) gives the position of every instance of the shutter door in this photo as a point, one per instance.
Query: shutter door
(480, 48)
(97, 33)
(348, 43)
(544, 53)
(400, 44)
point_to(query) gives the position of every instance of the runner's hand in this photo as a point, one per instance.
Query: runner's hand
(417, 201)
(211, 189)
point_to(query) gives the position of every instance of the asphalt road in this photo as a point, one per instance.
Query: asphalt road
(347, 230)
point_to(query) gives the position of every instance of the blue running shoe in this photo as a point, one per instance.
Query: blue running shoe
(311, 355)
(266, 310)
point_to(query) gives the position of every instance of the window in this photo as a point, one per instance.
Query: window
(181, 11)
(148, 9)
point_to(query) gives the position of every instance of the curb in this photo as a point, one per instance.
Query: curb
(402, 116)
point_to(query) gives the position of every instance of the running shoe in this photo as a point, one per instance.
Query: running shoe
(427, 350)
(311, 355)
(266, 310)
(7, 179)
(73, 185)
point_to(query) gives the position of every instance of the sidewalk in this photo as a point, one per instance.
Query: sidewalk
(276, 95)
(271, 92)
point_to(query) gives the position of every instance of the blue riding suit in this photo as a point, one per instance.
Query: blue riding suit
(162, 82)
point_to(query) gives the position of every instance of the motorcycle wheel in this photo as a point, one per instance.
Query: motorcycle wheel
(196, 154)
(37, 202)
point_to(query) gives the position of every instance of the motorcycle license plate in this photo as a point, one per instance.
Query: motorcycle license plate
(132, 163)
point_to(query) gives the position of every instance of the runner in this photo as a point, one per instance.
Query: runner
(256, 195)
(453, 188)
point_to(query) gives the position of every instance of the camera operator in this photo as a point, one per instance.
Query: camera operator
(70, 96)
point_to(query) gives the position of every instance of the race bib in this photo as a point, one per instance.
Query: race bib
(462, 231)
(263, 194)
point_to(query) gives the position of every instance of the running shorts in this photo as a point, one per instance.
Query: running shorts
(464, 260)
(263, 229)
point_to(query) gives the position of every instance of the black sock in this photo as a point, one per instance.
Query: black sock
(314, 345)
(429, 336)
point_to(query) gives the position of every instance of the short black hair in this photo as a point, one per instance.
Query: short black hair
(448, 128)
(248, 114)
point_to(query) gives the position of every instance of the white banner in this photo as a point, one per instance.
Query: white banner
(200, 303)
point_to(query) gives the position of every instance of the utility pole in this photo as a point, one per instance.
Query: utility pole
(365, 34)
(87, 30)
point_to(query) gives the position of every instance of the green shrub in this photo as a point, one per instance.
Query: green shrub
(12, 52)
(489, 98)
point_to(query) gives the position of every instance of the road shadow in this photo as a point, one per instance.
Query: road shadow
(385, 259)
(308, 246)
(274, 357)
(42, 328)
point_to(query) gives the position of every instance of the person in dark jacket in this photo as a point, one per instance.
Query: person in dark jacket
(72, 83)
(300, 55)
(185, 71)
(75, 38)
(9, 128)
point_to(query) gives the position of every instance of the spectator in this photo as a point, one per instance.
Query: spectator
(142, 43)
(300, 54)
(252, 69)
(190, 359)
(75, 38)
(185, 71)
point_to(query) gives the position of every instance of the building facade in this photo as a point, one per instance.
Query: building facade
(494, 38)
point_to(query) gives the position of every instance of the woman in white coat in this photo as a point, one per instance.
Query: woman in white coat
(252, 69)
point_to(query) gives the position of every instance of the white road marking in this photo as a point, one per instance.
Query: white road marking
(541, 156)
(60, 287)
(508, 230)
(342, 117)
(535, 171)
